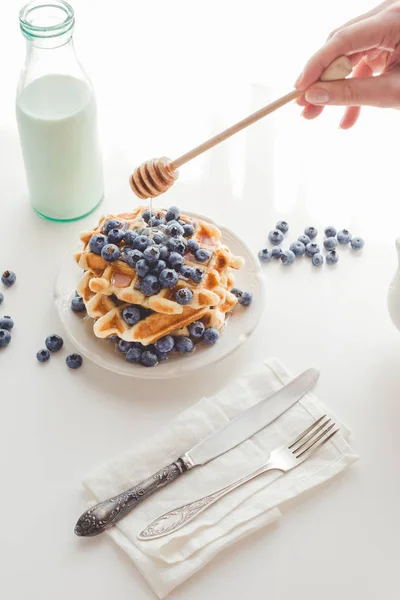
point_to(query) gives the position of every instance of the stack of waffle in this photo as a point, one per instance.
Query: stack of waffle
(108, 287)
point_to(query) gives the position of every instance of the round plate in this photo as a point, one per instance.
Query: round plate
(240, 325)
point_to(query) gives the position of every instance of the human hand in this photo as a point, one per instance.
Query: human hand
(372, 43)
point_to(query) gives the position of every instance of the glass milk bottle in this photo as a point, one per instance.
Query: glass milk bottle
(57, 117)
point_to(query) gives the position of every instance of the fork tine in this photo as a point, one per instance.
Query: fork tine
(318, 442)
(302, 435)
(310, 436)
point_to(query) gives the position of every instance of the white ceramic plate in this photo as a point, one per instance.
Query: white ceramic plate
(240, 325)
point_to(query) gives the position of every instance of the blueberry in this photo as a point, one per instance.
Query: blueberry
(43, 355)
(288, 257)
(113, 224)
(168, 278)
(54, 342)
(264, 255)
(1, 298)
(132, 257)
(124, 346)
(202, 255)
(97, 241)
(164, 253)
(211, 335)
(317, 260)
(344, 236)
(6, 323)
(298, 248)
(162, 356)
(236, 292)
(149, 359)
(330, 243)
(150, 285)
(134, 354)
(175, 260)
(312, 248)
(172, 214)
(112, 338)
(8, 278)
(158, 238)
(330, 232)
(304, 239)
(246, 299)
(357, 243)
(141, 242)
(192, 246)
(142, 268)
(146, 216)
(110, 252)
(115, 236)
(184, 344)
(156, 221)
(185, 272)
(129, 237)
(197, 329)
(184, 296)
(77, 304)
(5, 338)
(332, 258)
(177, 245)
(311, 232)
(74, 361)
(159, 267)
(276, 252)
(188, 230)
(131, 315)
(174, 229)
(165, 344)
(275, 237)
(197, 275)
(151, 254)
(282, 226)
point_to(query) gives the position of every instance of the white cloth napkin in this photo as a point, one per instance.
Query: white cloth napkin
(167, 562)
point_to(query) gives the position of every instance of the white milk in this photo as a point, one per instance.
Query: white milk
(57, 124)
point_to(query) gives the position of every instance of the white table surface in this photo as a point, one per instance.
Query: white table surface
(341, 541)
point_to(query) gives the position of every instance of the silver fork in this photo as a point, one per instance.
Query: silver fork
(285, 458)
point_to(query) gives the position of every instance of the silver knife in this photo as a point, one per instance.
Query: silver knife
(100, 517)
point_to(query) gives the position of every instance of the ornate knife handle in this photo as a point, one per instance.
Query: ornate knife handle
(105, 514)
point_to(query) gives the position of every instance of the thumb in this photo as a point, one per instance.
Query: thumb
(382, 91)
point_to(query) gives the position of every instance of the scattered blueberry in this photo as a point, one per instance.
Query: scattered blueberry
(185, 272)
(129, 237)
(357, 243)
(312, 248)
(174, 229)
(172, 214)
(74, 361)
(159, 267)
(282, 226)
(124, 346)
(141, 242)
(311, 232)
(304, 239)
(134, 354)
(330, 243)
(115, 236)
(1, 297)
(332, 258)
(276, 252)
(298, 248)
(197, 329)
(175, 260)
(188, 230)
(43, 355)
(192, 246)
(142, 268)
(343, 236)
(184, 296)
(177, 244)
(5, 338)
(8, 278)
(158, 238)
(165, 344)
(150, 285)
(168, 278)
(6, 323)
(132, 256)
(110, 252)
(184, 344)
(97, 242)
(151, 254)
(149, 359)
(317, 260)
(197, 275)
(54, 342)
(131, 315)
(264, 255)
(146, 216)
(202, 255)
(330, 232)
(236, 292)
(287, 257)
(77, 304)
(275, 237)
(211, 335)
(246, 299)
(112, 224)
(164, 253)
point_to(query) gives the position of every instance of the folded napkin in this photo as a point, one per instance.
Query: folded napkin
(167, 562)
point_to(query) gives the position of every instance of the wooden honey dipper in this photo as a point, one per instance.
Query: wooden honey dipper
(156, 176)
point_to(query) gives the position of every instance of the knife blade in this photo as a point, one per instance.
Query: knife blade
(105, 514)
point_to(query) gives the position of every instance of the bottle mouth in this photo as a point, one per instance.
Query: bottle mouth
(40, 19)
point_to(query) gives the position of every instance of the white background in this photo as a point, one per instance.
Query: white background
(168, 75)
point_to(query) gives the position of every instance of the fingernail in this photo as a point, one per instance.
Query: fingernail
(317, 96)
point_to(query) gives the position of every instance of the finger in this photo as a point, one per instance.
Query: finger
(350, 117)
(312, 112)
(383, 91)
(301, 101)
(370, 13)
